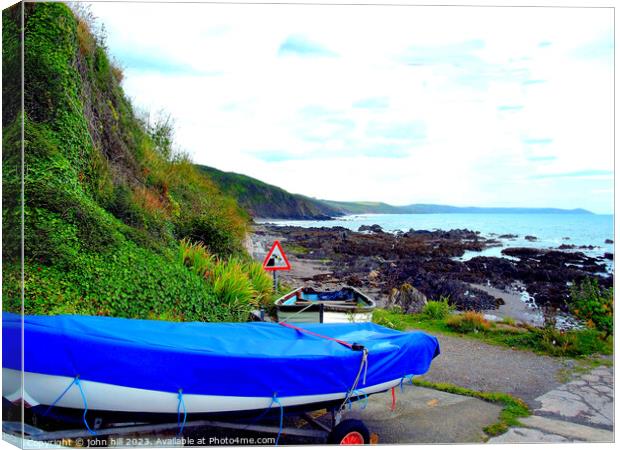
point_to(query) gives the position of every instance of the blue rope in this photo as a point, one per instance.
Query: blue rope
(405, 377)
(75, 381)
(180, 425)
(59, 397)
(79, 385)
(275, 400)
(357, 393)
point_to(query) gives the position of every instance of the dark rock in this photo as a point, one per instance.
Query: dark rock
(354, 280)
(588, 247)
(427, 260)
(372, 228)
(609, 256)
(508, 236)
(609, 241)
(531, 238)
(407, 298)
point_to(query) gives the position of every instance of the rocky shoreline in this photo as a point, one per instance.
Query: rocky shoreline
(378, 261)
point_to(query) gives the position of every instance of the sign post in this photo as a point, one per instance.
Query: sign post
(274, 261)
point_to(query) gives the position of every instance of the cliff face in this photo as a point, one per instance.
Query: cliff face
(266, 201)
(106, 199)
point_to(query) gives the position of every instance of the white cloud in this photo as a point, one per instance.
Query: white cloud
(462, 105)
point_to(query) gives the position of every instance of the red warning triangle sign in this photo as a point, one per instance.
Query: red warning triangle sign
(276, 259)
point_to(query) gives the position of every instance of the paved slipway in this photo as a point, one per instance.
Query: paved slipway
(580, 410)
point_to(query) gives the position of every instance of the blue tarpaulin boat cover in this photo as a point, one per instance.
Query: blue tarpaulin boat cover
(240, 359)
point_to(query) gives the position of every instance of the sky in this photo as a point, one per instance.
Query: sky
(467, 106)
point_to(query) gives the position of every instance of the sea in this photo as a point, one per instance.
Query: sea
(550, 230)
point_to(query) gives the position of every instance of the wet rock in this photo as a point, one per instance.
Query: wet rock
(407, 298)
(508, 236)
(609, 256)
(609, 241)
(354, 280)
(371, 228)
(428, 260)
(531, 238)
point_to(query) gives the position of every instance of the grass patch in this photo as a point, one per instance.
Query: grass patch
(512, 408)
(295, 249)
(578, 343)
(437, 309)
(468, 322)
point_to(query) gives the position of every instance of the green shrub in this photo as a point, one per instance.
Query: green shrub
(262, 283)
(238, 285)
(233, 289)
(594, 305)
(468, 322)
(196, 257)
(437, 309)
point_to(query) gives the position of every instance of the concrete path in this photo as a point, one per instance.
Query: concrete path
(579, 411)
(426, 416)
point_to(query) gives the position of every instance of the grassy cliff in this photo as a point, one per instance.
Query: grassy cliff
(267, 201)
(107, 201)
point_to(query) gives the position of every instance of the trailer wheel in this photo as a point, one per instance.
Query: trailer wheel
(349, 432)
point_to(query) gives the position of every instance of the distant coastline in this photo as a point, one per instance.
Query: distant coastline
(265, 201)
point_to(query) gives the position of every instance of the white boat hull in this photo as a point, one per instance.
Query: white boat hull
(41, 389)
(328, 317)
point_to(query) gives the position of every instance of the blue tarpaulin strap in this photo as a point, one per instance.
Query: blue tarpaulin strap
(277, 402)
(75, 381)
(59, 397)
(180, 425)
(405, 377)
(79, 385)
(359, 393)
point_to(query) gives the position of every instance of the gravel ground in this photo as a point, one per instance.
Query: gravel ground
(483, 367)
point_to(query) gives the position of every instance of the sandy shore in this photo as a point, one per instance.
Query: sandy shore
(513, 307)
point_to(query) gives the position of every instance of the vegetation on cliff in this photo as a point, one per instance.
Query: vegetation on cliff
(267, 201)
(107, 199)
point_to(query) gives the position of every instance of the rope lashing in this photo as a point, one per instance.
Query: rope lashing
(181, 401)
(363, 368)
(75, 381)
(275, 400)
(359, 393)
(59, 397)
(79, 385)
(406, 377)
(312, 333)
(356, 347)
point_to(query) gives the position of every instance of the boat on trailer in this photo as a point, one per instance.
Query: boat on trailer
(110, 369)
(306, 304)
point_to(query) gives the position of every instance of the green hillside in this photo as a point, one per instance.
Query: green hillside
(363, 207)
(267, 201)
(115, 221)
